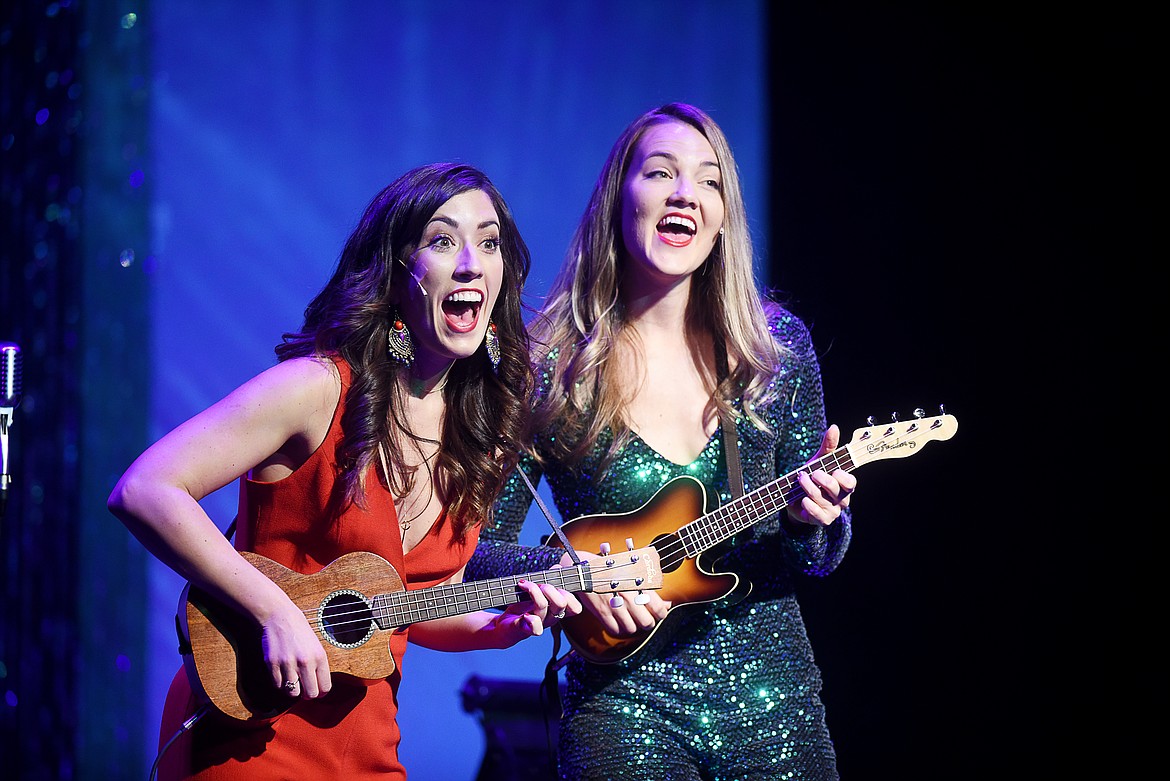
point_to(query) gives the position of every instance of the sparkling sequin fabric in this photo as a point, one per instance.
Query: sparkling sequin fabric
(718, 693)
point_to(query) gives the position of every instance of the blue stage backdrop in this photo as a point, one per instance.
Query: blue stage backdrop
(272, 125)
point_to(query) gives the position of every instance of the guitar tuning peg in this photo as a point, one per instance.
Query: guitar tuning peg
(942, 410)
(919, 413)
(629, 543)
(893, 417)
(869, 420)
(616, 601)
(604, 548)
(642, 598)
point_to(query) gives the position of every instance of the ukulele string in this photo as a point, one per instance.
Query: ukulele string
(673, 552)
(360, 614)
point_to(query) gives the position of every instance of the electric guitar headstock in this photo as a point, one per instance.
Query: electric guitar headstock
(630, 570)
(899, 439)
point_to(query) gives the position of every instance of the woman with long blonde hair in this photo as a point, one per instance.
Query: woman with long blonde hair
(654, 334)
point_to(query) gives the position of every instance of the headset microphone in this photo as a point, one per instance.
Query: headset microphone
(417, 280)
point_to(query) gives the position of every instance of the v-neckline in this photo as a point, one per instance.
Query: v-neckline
(421, 540)
(687, 465)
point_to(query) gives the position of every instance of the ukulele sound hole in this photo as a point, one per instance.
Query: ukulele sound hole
(346, 619)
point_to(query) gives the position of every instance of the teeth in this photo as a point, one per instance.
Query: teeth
(466, 296)
(683, 222)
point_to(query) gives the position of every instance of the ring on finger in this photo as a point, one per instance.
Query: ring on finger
(559, 615)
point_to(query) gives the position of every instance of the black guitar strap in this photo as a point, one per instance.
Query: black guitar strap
(730, 435)
(551, 521)
(734, 471)
(550, 684)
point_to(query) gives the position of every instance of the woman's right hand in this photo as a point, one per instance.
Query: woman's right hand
(296, 659)
(628, 617)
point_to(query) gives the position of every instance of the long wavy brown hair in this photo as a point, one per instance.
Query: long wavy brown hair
(487, 409)
(584, 315)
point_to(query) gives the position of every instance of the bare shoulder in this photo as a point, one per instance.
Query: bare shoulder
(302, 379)
(313, 371)
(301, 391)
(274, 418)
(293, 404)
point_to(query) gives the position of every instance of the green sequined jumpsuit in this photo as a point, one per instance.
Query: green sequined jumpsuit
(718, 693)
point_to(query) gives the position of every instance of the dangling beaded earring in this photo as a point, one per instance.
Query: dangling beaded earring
(399, 344)
(492, 342)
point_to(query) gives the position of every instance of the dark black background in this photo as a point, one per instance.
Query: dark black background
(955, 214)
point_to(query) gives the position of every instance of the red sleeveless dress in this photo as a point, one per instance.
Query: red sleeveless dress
(352, 732)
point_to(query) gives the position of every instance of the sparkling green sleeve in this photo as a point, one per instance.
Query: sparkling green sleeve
(800, 416)
(499, 553)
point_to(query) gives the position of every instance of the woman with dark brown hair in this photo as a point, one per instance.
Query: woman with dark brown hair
(386, 427)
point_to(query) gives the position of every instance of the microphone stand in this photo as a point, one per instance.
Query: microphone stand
(10, 387)
(5, 478)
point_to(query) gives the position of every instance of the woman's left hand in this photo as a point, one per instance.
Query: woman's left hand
(826, 495)
(545, 606)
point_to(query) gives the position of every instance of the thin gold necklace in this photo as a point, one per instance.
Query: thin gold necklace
(414, 386)
(405, 524)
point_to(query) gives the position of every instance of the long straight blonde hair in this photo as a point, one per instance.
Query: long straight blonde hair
(584, 318)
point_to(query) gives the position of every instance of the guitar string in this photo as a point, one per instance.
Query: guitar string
(765, 497)
(677, 547)
(761, 500)
(434, 593)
